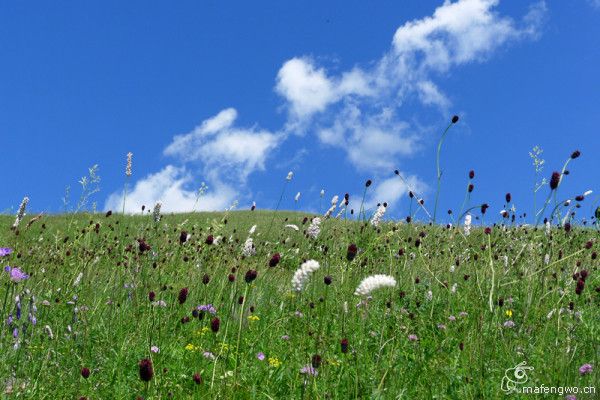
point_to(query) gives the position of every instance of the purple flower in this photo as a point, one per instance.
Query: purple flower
(260, 356)
(413, 338)
(155, 349)
(208, 308)
(586, 369)
(4, 251)
(570, 397)
(309, 370)
(16, 275)
(509, 324)
(285, 337)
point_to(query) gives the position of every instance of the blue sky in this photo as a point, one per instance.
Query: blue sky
(236, 95)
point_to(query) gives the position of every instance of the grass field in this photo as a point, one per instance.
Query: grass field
(106, 292)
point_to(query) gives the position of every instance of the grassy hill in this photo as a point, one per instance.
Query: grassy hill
(109, 298)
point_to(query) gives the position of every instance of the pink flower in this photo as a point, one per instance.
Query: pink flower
(586, 369)
(260, 356)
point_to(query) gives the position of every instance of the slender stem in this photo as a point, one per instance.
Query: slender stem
(439, 171)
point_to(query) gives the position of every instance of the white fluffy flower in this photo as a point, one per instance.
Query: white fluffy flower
(314, 229)
(248, 249)
(467, 227)
(322, 192)
(587, 193)
(330, 211)
(334, 200)
(290, 175)
(303, 273)
(373, 283)
(297, 197)
(292, 226)
(252, 230)
(376, 219)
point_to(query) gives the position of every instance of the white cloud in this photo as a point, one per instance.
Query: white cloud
(223, 149)
(216, 152)
(176, 189)
(357, 110)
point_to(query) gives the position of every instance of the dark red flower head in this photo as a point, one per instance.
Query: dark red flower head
(580, 286)
(146, 370)
(197, 378)
(215, 323)
(183, 236)
(209, 239)
(471, 187)
(471, 174)
(275, 258)
(151, 296)
(344, 345)
(554, 180)
(316, 361)
(484, 208)
(143, 246)
(455, 119)
(250, 275)
(508, 197)
(85, 372)
(183, 294)
(575, 154)
(368, 183)
(351, 253)
(327, 280)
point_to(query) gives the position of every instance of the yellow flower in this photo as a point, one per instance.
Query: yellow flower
(253, 318)
(224, 346)
(509, 313)
(274, 362)
(191, 347)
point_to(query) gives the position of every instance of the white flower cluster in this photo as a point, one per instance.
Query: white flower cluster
(128, 167)
(376, 219)
(248, 249)
(374, 282)
(467, 227)
(303, 273)
(314, 229)
(156, 212)
(21, 212)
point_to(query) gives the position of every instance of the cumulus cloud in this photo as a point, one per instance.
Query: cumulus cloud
(176, 189)
(358, 111)
(223, 149)
(216, 152)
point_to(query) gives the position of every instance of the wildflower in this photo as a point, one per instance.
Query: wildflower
(297, 197)
(191, 347)
(429, 295)
(143, 246)
(252, 230)
(260, 356)
(21, 212)
(253, 318)
(128, 167)
(215, 324)
(303, 273)
(471, 174)
(344, 345)
(248, 249)
(156, 212)
(16, 275)
(253, 206)
(4, 251)
(509, 313)
(455, 119)
(575, 154)
(250, 275)
(373, 283)
(351, 253)
(580, 286)
(197, 378)
(290, 175)
(155, 349)
(309, 370)
(586, 369)
(509, 324)
(554, 180)
(314, 229)
(376, 219)
(183, 294)
(467, 226)
(209, 240)
(316, 361)
(294, 227)
(274, 362)
(275, 258)
(413, 338)
(508, 198)
(285, 337)
(327, 280)
(146, 370)
(322, 194)
(85, 372)
(209, 355)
